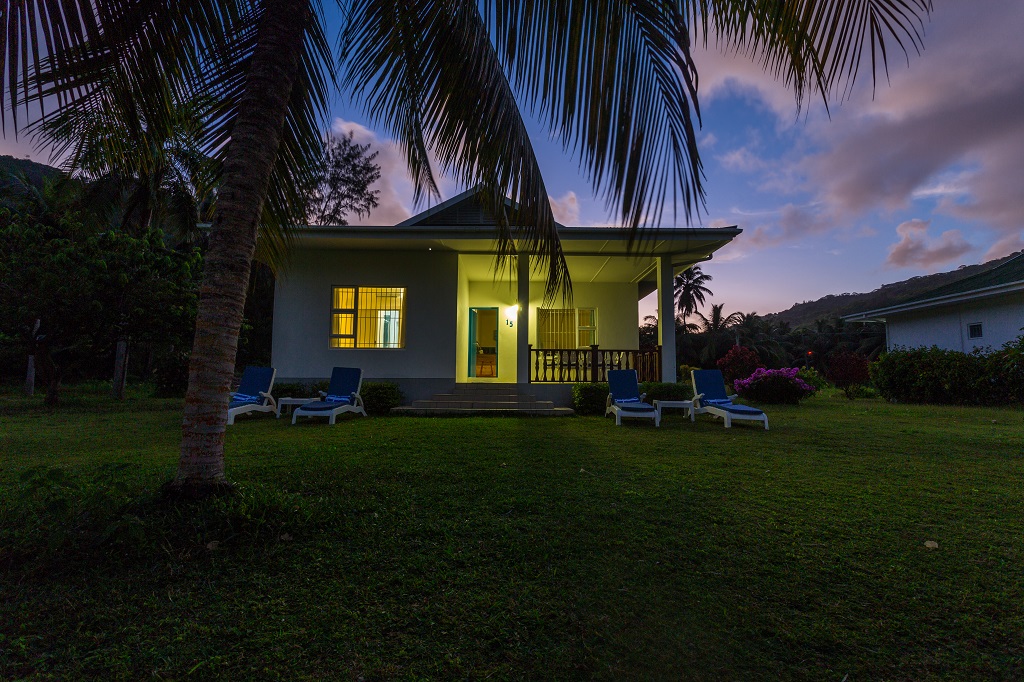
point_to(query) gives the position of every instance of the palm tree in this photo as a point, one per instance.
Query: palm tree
(690, 291)
(716, 330)
(616, 81)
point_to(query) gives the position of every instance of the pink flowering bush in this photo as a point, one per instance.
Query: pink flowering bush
(774, 386)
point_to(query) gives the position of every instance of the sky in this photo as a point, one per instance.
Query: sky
(920, 174)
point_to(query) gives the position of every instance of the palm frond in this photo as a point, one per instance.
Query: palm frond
(453, 100)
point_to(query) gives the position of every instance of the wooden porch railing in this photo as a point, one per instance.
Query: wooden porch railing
(590, 365)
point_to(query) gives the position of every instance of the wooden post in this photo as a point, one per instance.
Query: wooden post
(530, 363)
(594, 374)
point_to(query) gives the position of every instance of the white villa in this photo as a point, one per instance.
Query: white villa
(419, 304)
(983, 310)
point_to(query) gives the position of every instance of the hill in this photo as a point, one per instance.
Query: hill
(35, 172)
(889, 294)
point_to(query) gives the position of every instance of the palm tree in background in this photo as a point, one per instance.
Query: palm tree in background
(445, 79)
(690, 291)
(716, 330)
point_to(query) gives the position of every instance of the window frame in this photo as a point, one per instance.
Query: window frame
(355, 310)
(971, 326)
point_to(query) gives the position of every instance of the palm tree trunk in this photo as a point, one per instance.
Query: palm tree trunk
(117, 385)
(30, 376)
(248, 162)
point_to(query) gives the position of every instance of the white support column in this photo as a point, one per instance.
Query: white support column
(523, 320)
(666, 319)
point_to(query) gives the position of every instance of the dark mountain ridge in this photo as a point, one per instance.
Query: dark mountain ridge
(887, 295)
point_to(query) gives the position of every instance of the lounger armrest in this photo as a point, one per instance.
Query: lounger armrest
(323, 394)
(270, 398)
(733, 396)
(643, 397)
(696, 400)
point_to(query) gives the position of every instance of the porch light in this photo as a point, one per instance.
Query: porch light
(511, 313)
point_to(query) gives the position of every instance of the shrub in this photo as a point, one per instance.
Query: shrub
(946, 377)
(380, 396)
(170, 375)
(588, 399)
(847, 371)
(658, 391)
(739, 363)
(774, 386)
(684, 372)
(811, 376)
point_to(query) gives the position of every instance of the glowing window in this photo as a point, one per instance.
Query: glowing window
(368, 317)
(566, 328)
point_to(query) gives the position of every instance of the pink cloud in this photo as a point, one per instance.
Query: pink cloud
(916, 248)
(947, 129)
(566, 208)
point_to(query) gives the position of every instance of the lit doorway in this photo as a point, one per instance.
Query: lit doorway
(483, 342)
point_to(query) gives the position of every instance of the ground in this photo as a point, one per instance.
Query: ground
(504, 548)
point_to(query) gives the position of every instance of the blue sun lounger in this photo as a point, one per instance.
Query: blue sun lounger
(625, 400)
(710, 397)
(253, 394)
(342, 396)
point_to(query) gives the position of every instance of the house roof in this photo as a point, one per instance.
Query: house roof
(1000, 280)
(461, 225)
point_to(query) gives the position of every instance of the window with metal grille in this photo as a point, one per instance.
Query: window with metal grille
(368, 317)
(566, 327)
(974, 330)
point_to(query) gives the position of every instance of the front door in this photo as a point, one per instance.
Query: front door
(483, 342)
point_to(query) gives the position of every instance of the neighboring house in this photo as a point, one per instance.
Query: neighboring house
(420, 303)
(986, 309)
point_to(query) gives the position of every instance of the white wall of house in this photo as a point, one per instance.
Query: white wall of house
(1001, 319)
(302, 313)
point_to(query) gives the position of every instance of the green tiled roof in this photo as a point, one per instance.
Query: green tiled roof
(1009, 272)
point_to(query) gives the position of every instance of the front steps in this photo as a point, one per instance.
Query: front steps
(481, 399)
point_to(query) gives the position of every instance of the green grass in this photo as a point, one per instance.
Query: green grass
(501, 548)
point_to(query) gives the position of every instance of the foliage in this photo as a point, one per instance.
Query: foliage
(813, 377)
(344, 180)
(170, 374)
(945, 377)
(689, 290)
(657, 390)
(69, 290)
(847, 370)
(685, 373)
(739, 363)
(380, 396)
(715, 330)
(142, 176)
(589, 399)
(774, 386)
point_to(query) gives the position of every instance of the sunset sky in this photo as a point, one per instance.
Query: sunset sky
(926, 175)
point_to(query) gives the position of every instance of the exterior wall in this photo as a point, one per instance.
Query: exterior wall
(616, 304)
(302, 315)
(946, 327)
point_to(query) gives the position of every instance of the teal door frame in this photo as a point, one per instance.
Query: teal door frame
(471, 368)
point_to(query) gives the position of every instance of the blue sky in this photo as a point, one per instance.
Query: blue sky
(926, 175)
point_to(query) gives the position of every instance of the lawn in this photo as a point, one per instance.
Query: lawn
(503, 548)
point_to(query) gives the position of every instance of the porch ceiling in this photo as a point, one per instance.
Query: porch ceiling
(594, 254)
